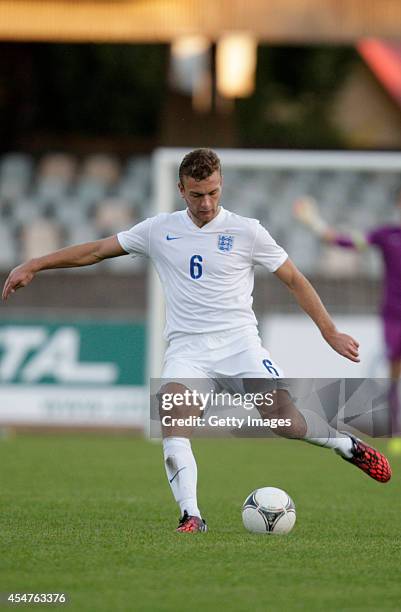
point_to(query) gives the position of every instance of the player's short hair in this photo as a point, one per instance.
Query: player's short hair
(199, 164)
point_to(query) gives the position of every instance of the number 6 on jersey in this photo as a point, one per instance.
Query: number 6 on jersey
(195, 266)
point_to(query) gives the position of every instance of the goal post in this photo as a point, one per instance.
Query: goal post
(165, 176)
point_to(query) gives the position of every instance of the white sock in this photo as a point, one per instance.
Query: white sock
(319, 432)
(182, 473)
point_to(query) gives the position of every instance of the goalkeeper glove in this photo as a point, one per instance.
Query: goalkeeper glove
(306, 210)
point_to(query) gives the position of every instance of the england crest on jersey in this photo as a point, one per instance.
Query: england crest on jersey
(225, 243)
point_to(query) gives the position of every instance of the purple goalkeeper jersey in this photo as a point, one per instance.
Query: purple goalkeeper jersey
(388, 240)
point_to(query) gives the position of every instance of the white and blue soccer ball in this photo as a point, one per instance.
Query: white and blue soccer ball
(269, 510)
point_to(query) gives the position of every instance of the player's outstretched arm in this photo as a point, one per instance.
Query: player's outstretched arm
(311, 303)
(78, 255)
(306, 210)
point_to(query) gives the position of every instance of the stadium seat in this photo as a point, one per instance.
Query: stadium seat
(15, 176)
(55, 176)
(104, 169)
(25, 211)
(17, 165)
(113, 215)
(8, 251)
(40, 237)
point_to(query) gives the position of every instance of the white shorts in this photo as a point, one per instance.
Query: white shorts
(229, 356)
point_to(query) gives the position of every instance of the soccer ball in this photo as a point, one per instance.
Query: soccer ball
(268, 510)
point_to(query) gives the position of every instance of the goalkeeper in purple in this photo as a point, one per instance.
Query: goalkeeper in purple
(387, 239)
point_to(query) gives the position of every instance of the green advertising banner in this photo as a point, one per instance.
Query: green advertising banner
(86, 373)
(70, 352)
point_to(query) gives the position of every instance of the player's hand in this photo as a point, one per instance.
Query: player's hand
(18, 278)
(344, 345)
(306, 210)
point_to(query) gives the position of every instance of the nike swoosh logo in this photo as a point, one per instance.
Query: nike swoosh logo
(177, 472)
(173, 237)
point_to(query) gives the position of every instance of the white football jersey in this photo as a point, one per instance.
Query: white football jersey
(207, 272)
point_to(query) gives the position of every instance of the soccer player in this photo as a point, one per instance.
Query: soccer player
(205, 257)
(387, 239)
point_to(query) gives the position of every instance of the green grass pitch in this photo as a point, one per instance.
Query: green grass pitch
(93, 516)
